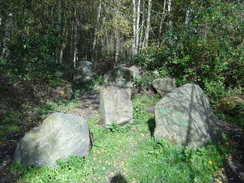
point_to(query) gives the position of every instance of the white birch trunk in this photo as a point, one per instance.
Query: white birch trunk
(141, 42)
(97, 23)
(187, 17)
(170, 16)
(136, 25)
(7, 36)
(161, 22)
(75, 37)
(116, 34)
(134, 28)
(148, 23)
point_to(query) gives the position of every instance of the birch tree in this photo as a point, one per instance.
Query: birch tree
(162, 18)
(170, 16)
(99, 9)
(149, 9)
(136, 24)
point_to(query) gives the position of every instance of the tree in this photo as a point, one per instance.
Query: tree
(149, 9)
(136, 24)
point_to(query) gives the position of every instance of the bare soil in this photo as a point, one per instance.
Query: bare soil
(234, 169)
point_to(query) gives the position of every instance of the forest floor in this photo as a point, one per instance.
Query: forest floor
(232, 173)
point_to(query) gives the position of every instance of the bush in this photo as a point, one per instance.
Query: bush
(208, 52)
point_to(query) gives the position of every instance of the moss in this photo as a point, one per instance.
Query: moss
(229, 103)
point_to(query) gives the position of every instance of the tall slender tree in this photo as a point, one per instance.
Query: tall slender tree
(147, 31)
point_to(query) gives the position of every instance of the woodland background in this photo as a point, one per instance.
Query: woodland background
(198, 41)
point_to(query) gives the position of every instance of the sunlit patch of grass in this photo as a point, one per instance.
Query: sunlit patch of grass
(13, 128)
(42, 111)
(163, 162)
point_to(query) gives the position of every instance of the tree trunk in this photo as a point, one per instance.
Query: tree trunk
(75, 37)
(134, 29)
(170, 16)
(7, 36)
(138, 24)
(187, 18)
(116, 32)
(141, 42)
(148, 23)
(95, 36)
(161, 22)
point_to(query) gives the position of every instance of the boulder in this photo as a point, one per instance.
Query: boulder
(122, 76)
(83, 72)
(184, 117)
(164, 85)
(59, 136)
(115, 106)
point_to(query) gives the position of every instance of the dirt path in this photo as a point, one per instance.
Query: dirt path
(112, 176)
(90, 108)
(234, 170)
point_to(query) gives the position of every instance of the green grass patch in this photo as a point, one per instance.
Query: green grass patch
(163, 162)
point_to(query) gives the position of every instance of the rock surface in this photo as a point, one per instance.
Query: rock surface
(164, 85)
(83, 72)
(59, 136)
(122, 76)
(115, 106)
(184, 117)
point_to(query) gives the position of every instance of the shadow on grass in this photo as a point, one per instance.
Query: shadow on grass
(151, 125)
(118, 179)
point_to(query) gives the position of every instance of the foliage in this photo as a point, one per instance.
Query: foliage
(36, 43)
(93, 85)
(145, 83)
(73, 164)
(115, 128)
(208, 52)
(139, 106)
(231, 107)
(31, 58)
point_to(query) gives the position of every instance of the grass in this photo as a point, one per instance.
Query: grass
(166, 163)
(130, 154)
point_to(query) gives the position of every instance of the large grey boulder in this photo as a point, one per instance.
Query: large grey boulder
(59, 136)
(164, 85)
(184, 117)
(115, 106)
(83, 72)
(122, 76)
